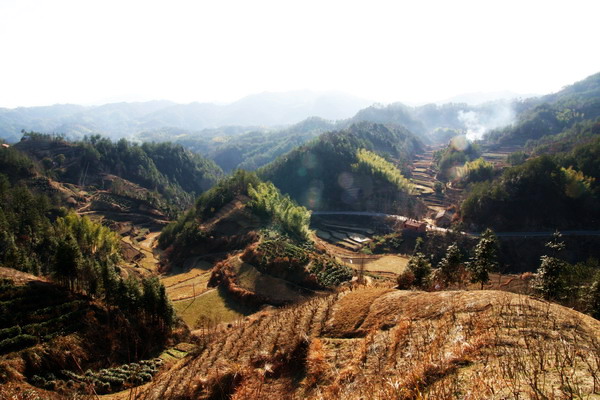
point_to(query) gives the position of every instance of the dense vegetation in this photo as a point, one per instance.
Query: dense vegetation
(552, 114)
(81, 255)
(449, 160)
(477, 170)
(171, 175)
(266, 202)
(321, 176)
(577, 135)
(371, 163)
(439, 123)
(546, 192)
(255, 148)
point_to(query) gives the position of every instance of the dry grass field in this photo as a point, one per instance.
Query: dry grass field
(378, 343)
(388, 263)
(208, 309)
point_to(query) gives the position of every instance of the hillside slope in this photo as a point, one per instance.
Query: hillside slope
(259, 241)
(385, 343)
(552, 114)
(168, 175)
(49, 332)
(335, 173)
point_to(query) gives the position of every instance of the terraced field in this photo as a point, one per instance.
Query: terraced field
(497, 156)
(423, 177)
(348, 236)
(44, 313)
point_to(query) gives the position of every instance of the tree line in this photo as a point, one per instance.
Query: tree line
(75, 252)
(572, 285)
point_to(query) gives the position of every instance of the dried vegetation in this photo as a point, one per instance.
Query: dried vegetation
(386, 344)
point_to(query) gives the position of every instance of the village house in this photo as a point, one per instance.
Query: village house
(443, 218)
(412, 226)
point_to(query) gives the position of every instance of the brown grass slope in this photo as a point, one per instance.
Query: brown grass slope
(387, 344)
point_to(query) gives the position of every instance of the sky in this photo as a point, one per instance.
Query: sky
(93, 52)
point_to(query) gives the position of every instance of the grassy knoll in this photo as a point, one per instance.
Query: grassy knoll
(211, 307)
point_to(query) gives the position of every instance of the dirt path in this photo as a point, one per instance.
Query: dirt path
(194, 297)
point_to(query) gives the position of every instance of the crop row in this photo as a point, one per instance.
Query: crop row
(329, 273)
(102, 381)
(272, 249)
(17, 337)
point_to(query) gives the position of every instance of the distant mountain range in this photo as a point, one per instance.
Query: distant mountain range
(117, 120)
(209, 128)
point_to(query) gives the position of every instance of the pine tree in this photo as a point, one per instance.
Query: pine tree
(420, 266)
(485, 259)
(67, 261)
(547, 281)
(449, 266)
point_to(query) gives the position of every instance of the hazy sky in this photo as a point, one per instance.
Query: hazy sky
(88, 51)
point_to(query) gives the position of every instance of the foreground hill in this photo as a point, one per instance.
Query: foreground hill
(51, 334)
(359, 168)
(385, 343)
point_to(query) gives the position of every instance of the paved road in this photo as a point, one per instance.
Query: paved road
(433, 228)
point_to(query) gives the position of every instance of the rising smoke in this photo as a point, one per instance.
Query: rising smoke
(486, 117)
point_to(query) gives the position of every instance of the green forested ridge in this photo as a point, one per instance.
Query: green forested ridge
(558, 186)
(577, 135)
(266, 202)
(164, 168)
(320, 175)
(280, 209)
(547, 192)
(438, 123)
(378, 166)
(552, 114)
(16, 164)
(285, 248)
(247, 149)
(456, 154)
(478, 170)
(39, 237)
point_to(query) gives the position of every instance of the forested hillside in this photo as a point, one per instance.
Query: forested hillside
(559, 191)
(250, 150)
(330, 173)
(552, 114)
(73, 306)
(439, 123)
(170, 175)
(261, 239)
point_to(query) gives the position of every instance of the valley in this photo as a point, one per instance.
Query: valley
(380, 256)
